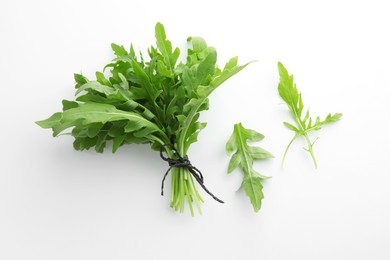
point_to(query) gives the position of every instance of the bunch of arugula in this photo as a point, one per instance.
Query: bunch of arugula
(289, 93)
(154, 102)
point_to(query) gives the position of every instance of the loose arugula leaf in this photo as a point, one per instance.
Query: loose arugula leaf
(244, 157)
(289, 93)
(156, 101)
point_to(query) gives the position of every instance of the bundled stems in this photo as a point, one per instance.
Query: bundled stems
(184, 189)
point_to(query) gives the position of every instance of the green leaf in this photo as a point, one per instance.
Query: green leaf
(231, 68)
(201, 74)
(117, 128)
(66, 104)
(84, 143)
(234, 162)
(198, 44)
(291, 127)
(165, 47)
(244, 156)
(102, 79)
(163, 44)
(95, 86)
(254, 190)
(117, 142)
(101, 142)
(90, 113)
(329, 119)
(119, 51)
(51, 121)
(206, 68)
(289, 93)
(259, 153)
(124, 81)
(80, 79)
(163, 70)
(145, 82)
(94, 129)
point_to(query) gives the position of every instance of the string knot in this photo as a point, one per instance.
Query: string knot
(183, 162)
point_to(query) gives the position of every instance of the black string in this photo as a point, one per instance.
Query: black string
(183, 163)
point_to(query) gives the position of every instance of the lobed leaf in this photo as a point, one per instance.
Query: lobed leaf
(91, 113)
(165, 47)
(289, 93)
(119, 51)
(244, 157)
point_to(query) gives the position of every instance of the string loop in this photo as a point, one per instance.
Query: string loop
(183, 162)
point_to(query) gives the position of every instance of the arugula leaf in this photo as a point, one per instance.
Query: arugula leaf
(155, 100)
(289, 93)
(244, 157)
(89, 115)
(169, 58)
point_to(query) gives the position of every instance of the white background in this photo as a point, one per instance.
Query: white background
(56, 203)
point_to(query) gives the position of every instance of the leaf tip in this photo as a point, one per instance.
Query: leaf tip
(282, 69)
(338, 115)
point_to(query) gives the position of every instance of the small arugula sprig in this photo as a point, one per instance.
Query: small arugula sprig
(289, 93)
(244, 157)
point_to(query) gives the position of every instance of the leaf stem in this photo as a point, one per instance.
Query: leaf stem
(183, 189)
(287, 148)
(310, 149)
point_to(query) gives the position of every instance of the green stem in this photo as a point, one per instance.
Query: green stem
(310, 149)
(173, 187)
(197, 198)
(303, 131)
(184, 191)
(288, 147)
(181, 197)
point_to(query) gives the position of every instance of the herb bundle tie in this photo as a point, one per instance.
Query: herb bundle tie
(183, 162)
